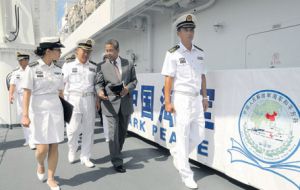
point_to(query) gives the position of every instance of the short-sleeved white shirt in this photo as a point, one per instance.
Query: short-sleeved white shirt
(79, 77)
(43, 79)
(186, 67)
(16, 79)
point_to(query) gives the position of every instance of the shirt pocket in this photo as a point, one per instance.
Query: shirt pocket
(17, 81)
(58, 75)
(183, 70)
(198, 68)
(75, 77)
(91, 76)
(57, 79)
(39, 76)
(39, 80)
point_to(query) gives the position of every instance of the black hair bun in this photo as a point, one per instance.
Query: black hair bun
(39, 51)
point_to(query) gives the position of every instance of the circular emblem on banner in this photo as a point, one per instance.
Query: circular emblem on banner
(269, 126)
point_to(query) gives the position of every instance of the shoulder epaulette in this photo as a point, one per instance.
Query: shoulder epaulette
(99, 66)
(57, 65)
(102, 62)
(92, 62)
(35, 63)
(16, 69)
(198, 48)
(69, 60)
(173, 49)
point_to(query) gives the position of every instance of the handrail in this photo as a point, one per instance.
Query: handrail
(78, 13)
(16, 32)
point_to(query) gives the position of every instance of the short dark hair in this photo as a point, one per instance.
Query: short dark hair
(114, 43)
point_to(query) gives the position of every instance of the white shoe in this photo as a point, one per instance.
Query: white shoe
(32, 146)
(71, 157)
(25, 144)
(107, 140)
(87, 163)
(53, 188)
(41, 177)
(190, 183)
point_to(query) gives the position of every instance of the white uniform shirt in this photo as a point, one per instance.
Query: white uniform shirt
(79, 77)
(43, 79)
(16, 79)
(186, 67)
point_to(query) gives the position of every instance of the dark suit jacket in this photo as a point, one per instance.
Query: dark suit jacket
(106, 76)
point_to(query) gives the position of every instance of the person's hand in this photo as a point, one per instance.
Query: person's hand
(124, 92)
(11, 99)
(25, 121)
(169, 108)
(205, 104)
(102, 95)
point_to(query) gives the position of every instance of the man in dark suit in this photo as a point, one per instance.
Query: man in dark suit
(115, 80)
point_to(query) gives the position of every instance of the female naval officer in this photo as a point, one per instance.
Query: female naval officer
(42, 109)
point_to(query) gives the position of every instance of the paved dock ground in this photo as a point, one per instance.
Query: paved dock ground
(148, 168)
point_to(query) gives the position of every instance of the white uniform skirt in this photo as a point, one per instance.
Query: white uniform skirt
(47, 119)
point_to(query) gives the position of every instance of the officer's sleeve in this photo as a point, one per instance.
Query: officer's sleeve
(27, 81)
(133, 80)
(99, 80)
(204, 71)
(13, 78)
(203, 68)
(169, 66)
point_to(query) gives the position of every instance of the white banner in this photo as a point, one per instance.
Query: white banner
(252, 124)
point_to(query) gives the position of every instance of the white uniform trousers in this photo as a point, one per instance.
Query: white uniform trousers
(26, 130)
(189, 128)
(82, 121)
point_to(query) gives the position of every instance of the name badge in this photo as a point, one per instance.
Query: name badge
(74, 70)
(92, 69)
(200, 58)
(182, 60)
(39, 76)
(57, 73)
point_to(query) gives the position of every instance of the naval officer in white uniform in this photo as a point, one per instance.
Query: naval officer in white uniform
(42, 108)
(184, 69)
(79, 79)
(16, 89)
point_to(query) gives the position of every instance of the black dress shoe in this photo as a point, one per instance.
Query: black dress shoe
(120, 169)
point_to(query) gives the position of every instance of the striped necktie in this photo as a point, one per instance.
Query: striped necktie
(116, 69)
